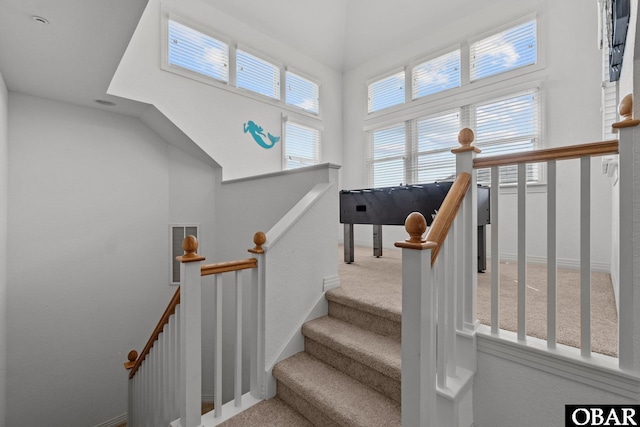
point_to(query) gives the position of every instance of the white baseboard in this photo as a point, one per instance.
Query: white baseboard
(113, 422)
(331, 282)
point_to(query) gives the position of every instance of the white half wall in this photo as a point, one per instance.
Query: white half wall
(91, 195)
(4, 186)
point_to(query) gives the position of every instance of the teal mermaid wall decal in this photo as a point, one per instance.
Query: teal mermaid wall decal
(258, 135)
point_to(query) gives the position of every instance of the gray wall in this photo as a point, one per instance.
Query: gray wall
(91, 195)
(4, 177)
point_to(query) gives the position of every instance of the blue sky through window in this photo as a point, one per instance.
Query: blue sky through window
(507, 50)
(437, 75)
(302, 93)
(198, 52)
(386, 92)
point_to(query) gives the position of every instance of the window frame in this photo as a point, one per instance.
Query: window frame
(304, 76)
(276, 65)
(300, 122)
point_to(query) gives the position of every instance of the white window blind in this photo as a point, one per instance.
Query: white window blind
(302, 93)
(386, 166)
(197, 52)
(508, 125)
(387, 92)
(436, 137)
(436, 75)
(302, 145)
(507, 50)
(257, 75)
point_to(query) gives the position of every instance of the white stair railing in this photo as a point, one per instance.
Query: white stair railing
(165, 380)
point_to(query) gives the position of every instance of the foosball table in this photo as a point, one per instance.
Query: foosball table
(392, 205)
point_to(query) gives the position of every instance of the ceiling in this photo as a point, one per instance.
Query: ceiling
(74, 56)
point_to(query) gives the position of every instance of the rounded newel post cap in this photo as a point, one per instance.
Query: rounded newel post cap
(465, 139)
(416, 225)
(190, 246)
(132, 356)
(259, 239)
(625, 108)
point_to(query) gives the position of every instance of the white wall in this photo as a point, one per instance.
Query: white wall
(91, 195)
(214, 117)
(570, 81)
(4, 178)
(508, 394)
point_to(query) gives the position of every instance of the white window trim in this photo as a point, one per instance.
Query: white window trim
(540, 62)
(164, 63)
(302, 74)
(168, 14)
(264, 58)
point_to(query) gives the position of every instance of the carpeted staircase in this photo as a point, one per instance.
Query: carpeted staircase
(348, 375)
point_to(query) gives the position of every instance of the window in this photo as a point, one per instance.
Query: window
(507, 50)
(436, 75)
(302, 145)
(201, 55)
(387, 154)
(436, 137)
(257, 75)
(423, 153)
(386, 92)
(198, 52)
(508, 125)
(302, 93)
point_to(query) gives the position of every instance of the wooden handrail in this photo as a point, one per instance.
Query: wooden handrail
(223, 267)
(447, 213)
(171, 309)
(557, 153)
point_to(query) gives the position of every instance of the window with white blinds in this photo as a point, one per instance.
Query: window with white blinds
(302, 93)
(302, 145)
(197, 52)
(419, 150)
(510, 49)
(436, 136)
(386, 164)
(386, 92)
(257, 75)
(508, 125)
(436, 75)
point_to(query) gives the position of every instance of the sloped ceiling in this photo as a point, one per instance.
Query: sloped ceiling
(73, 58)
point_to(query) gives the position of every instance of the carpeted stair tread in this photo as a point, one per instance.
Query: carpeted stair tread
(382, 302)
(268, 413)
(345, 400)
(373, 350)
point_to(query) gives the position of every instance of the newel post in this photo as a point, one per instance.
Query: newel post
(258, 386)
(418, 349)
(468, 252)
(190, 396)
(629, 243)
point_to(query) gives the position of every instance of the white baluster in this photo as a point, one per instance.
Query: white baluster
(495, 251)
(450, 280)
(522, 252)
(217, 348)
(238, 346)
(257, 327)
(441, 347)
(552, 254)
(585, 256)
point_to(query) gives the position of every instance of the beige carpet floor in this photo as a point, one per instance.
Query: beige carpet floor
(378, 280)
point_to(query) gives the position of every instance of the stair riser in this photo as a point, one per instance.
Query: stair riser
(366, 375)
(371, 322)
(307, 410)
